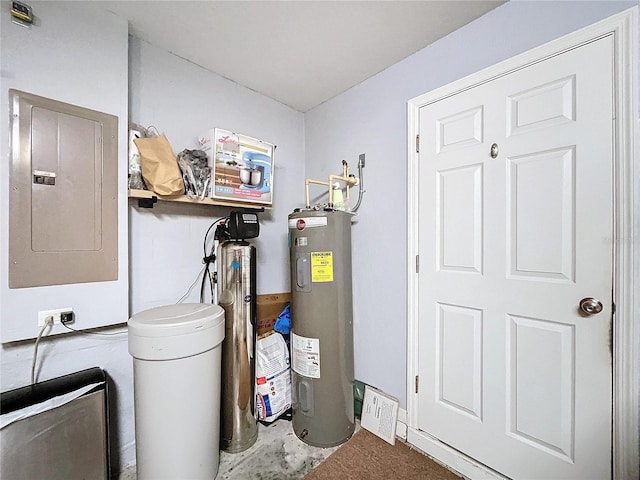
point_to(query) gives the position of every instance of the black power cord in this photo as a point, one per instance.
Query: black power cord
(210, 258)
(85, 332)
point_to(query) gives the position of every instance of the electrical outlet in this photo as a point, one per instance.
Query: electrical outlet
(55, 313)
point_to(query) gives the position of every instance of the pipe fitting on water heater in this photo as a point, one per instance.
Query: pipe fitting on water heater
(335, 185)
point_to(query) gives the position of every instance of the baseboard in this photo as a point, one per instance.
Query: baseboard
(449, 457)
(401, 424)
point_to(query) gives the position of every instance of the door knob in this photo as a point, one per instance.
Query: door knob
(590, 305)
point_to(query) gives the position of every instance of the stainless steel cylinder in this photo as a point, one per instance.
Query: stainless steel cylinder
(321, 327)
(237, 285)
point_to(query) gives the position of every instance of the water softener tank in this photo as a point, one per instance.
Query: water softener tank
(321, 326)
(237, 284)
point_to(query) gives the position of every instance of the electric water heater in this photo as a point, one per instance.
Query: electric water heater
(321, 326)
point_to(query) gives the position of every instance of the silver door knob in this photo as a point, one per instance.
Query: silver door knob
(590, 305)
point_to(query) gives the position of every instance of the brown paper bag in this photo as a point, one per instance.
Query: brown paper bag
(159, 166)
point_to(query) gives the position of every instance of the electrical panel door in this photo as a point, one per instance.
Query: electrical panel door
(63, 219)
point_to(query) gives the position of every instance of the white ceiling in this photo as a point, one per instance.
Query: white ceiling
(300, 53)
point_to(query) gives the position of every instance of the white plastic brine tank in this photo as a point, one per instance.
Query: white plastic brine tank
(177, 351)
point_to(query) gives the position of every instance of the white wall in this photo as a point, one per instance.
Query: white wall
(75, 57)
(372, 118)
(69, 55)
(78, 57)
(184, 101)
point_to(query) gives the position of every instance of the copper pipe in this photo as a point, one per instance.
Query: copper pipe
(316, 182)
(349, 181)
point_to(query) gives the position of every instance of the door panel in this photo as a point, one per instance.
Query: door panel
(511, 373)
(459, 219)
(459, 130)
(544, 421)
(540, 222)
(459, 380)
(542, 106)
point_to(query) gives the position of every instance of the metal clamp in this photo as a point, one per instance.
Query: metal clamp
(147, 202)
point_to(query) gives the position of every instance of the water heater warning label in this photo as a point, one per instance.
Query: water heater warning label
(322, 266)
(305, 358)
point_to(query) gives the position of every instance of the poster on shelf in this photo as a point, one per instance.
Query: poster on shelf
(241, 167)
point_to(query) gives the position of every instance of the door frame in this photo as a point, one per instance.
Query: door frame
(626, 242)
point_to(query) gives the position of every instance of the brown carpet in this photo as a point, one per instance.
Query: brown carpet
(367, 457)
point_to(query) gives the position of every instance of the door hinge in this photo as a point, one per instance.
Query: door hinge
(417, 263)
(418, 143)
(417, 381)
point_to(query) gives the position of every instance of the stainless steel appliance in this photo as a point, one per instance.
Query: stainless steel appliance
(237, 287)
(56, 429)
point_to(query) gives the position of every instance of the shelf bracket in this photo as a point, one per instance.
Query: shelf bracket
(147, 202)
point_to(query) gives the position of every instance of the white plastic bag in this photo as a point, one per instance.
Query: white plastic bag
(273, 377)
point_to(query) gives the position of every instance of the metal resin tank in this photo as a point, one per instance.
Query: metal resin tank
(322, 326)
(237, 283)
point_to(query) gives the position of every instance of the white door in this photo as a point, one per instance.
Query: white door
(511, 371)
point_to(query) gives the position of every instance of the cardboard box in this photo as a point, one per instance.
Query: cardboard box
(241, 166)
(270, 306)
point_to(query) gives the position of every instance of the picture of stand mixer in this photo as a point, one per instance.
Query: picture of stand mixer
(256, 173)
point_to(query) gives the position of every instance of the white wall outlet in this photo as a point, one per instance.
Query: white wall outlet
(55, 313)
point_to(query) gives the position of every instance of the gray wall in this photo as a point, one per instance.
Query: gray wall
(185, 102)
(372, 118)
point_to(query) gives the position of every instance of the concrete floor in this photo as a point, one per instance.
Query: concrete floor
(277, 455)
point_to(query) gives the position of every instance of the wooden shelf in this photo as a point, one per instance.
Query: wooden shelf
(146, 200)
